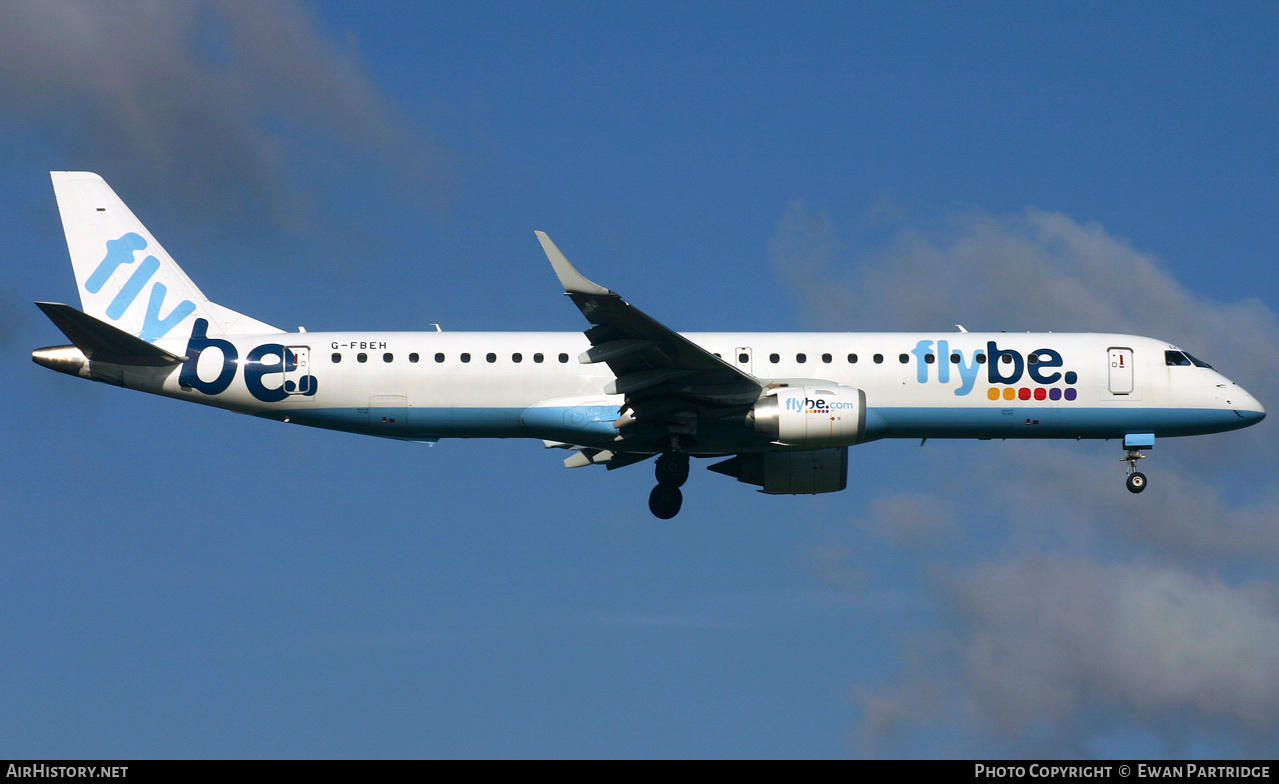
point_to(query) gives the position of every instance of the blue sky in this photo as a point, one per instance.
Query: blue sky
(183, 582)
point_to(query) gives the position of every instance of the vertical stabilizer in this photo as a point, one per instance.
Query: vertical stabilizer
(125, 277)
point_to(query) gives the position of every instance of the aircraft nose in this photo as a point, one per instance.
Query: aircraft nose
(1249, 408)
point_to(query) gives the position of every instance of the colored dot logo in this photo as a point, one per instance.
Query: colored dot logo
(1036, 393)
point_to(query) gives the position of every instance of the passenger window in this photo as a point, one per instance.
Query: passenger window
(774, 358)
(439, 357)
(826, 358)
(538, 358)
(413, 357)
(361, 357)
(563, 359)
(981, 359)
(801, 358)
(743, 358)
(879, 359)
(465, 357)
(929, 359)
(852, 359)
(517, 357)
(955, 358)
(1033, 359)
(337, 358)
(1007, 359)
(388, 357)
(903, 358)
(490, 357)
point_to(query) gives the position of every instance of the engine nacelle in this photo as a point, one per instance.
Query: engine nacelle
(793, 472)
(812, 416)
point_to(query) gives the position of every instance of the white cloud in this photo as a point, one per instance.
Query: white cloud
(1046, 634)
(211, 93)
(1044, 655)
(910, 518)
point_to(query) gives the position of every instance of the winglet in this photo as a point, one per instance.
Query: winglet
(572, 280)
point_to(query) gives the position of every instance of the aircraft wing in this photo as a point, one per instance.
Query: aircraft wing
(668, 381)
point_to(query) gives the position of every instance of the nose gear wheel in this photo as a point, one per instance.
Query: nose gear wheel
(1136, 481)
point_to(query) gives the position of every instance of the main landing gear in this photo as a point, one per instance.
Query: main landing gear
(1136, 480)
(666, 499)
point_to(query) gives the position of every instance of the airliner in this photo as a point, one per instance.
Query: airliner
(778, 410)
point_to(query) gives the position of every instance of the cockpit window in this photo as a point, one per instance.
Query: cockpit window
(1183, 359)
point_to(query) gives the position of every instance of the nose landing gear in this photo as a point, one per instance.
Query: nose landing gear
(1133, 444)
(666, 499)
(1136, 480)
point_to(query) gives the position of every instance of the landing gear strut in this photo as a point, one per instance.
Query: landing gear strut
(1136, 480)
(666, 499)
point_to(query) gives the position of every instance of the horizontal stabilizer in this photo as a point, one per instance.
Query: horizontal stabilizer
(102, 342)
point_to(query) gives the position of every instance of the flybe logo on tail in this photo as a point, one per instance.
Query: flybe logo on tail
(120, 252)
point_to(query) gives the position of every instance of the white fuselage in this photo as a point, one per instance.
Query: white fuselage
(428, 385)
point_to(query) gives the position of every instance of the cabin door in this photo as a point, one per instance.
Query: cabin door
(1120, 371)
(297, 370)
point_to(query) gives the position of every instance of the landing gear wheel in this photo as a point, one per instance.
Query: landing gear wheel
(664, 502)
(1136, 479)
(672, 469)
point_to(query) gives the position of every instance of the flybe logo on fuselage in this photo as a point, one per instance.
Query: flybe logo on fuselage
(120, 252)
(1003, 366)
(268, 359)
